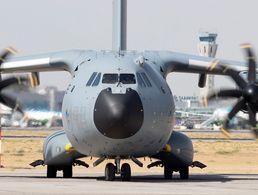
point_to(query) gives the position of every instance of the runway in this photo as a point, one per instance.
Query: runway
(36, 183)
(39, 133)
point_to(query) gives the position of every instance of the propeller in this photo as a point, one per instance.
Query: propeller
(4, 98)
(6, 53)
(34, 79)
(247, 92)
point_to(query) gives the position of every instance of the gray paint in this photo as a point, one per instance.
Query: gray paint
(54, 152)
(79, 123)
(181, 153)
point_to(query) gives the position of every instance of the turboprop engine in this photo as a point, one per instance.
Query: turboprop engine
(177, 155)
(57, 150)
(59, 154)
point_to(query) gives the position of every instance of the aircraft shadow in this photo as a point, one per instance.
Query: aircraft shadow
(193, 178)
(159, 178)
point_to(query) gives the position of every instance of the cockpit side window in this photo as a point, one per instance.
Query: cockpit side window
(140, 81)
(127, 78)
(96, 82)
(91, 79)
(110, 78)
(145, 78)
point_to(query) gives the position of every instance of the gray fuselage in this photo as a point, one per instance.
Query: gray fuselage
(83, 114)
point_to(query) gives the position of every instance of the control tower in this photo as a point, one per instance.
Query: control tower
(207, 47)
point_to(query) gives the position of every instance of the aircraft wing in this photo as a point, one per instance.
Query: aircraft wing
(178, 62)
(59, 61)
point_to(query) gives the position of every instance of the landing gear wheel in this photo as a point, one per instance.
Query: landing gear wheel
(184, 173)
(68, 171)
(126, 172)
(51, 171)
(110, 172)
(168, 172)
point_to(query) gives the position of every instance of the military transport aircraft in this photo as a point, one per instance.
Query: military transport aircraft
(119, 106)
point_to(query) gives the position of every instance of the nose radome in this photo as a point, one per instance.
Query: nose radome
(118, 116)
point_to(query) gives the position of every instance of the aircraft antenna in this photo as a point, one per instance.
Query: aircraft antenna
(119, 25)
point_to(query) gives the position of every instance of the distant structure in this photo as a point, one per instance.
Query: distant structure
(184, 102)
(40, 98)
(207, 47)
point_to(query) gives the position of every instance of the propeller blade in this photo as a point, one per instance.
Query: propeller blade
(10, 81)
(241, 83)
(247, 91)
(34, 79)
(10, 102)
(216, 65)
(251, 62)
(238, 106)
(252, 115)
(252, 119)
(202, 80)
(7, 52)
(234, 93)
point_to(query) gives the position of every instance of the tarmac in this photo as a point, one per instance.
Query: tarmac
(27, 182)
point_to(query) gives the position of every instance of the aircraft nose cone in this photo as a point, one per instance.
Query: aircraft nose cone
(118, 116)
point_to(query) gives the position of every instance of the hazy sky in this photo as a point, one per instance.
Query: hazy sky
(36, 26)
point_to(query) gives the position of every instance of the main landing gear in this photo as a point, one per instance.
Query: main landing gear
(67, 169)
(168, 172)
(168, 169)
(111, 170)
(184, 173)
(52, 171)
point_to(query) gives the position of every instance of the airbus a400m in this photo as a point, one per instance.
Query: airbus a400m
(118, 104)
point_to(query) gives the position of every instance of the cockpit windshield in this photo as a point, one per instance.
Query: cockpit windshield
(122, 78)
(110, 78)
(127, 78)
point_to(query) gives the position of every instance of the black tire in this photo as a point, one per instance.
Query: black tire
(68, 171)
(184, 173)
(126, 172)
(51, 171)
(110, 172)
(168, 172)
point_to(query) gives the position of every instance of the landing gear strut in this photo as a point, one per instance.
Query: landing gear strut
(111, 170)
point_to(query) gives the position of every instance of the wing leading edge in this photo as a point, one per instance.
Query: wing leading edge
(175, 62)
(178, 62)
(59, 61)
(171, 62)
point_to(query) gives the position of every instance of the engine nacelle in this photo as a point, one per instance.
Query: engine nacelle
(178, 152)
(58, 151)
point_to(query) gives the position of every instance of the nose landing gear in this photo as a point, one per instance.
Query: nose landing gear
(111, 170)
(126, 172)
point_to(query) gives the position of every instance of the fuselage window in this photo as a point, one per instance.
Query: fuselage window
(96, 82)
(127, 78)
(145, 78)
(91, 79)
(140, 81)
(110, 78)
